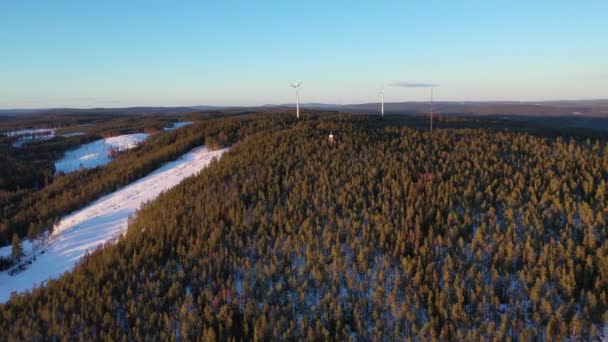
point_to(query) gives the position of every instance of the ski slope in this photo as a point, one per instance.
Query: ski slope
(102, 221)
(96, 153)
(177, 125)
(7, 251)
(75, 134)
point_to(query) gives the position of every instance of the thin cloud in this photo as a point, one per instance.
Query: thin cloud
(413, 85)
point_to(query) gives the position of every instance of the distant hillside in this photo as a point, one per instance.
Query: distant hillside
(596, 108)
(593, 108)
(389, 232)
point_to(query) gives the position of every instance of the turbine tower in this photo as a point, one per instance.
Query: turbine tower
(297, 88)
(381, 93)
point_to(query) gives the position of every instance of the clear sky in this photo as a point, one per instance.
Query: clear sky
(115, 53)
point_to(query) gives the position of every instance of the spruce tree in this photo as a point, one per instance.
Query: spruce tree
(17, 248)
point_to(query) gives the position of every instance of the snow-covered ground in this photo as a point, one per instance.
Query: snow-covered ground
(67, 135)
(102, 221)
(177, 125)
(37, 131)
(96, 153)
(27, 135)
(7, 251)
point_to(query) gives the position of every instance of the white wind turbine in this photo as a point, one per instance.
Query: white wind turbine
(381, 93)
(297, 98)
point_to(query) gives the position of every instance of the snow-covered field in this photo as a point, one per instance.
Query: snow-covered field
(96, 153)
(102, 221)
(27, 135)
(67, 135)
(177, 125)
(37, 131)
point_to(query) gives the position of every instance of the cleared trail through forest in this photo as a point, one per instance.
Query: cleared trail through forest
(102, 221)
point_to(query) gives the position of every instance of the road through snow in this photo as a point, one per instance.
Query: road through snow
(102, 221)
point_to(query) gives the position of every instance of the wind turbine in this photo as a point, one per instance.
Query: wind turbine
(297, 88)
(381, 93)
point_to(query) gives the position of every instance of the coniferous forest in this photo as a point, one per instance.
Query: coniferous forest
(28, 213)
(469, 232)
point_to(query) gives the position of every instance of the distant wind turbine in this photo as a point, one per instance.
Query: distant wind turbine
(297, 88)
(381, 93)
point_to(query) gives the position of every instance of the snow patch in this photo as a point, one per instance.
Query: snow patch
(27, 135)
(177, 125)
(37, 131)
(102, 221)
(67, 135)
(97, 153)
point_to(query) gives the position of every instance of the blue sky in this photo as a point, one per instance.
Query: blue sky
(165, 53)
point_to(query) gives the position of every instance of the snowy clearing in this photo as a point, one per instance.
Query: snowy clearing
(102, 221)
(37, 131)
(177, 125)
(97, 153)
(67, 135)
(27, 135)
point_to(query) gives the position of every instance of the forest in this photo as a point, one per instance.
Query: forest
(475, 231)
(28, 213)
(30, 166)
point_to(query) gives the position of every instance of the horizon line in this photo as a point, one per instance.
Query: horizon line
(301, 104)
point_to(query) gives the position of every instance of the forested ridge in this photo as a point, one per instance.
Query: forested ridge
(29, 167)
(389, 233)
(30, 213)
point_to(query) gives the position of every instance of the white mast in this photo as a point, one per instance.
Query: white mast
(297, 98)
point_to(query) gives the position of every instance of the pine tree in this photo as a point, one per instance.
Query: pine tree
(17, 248)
